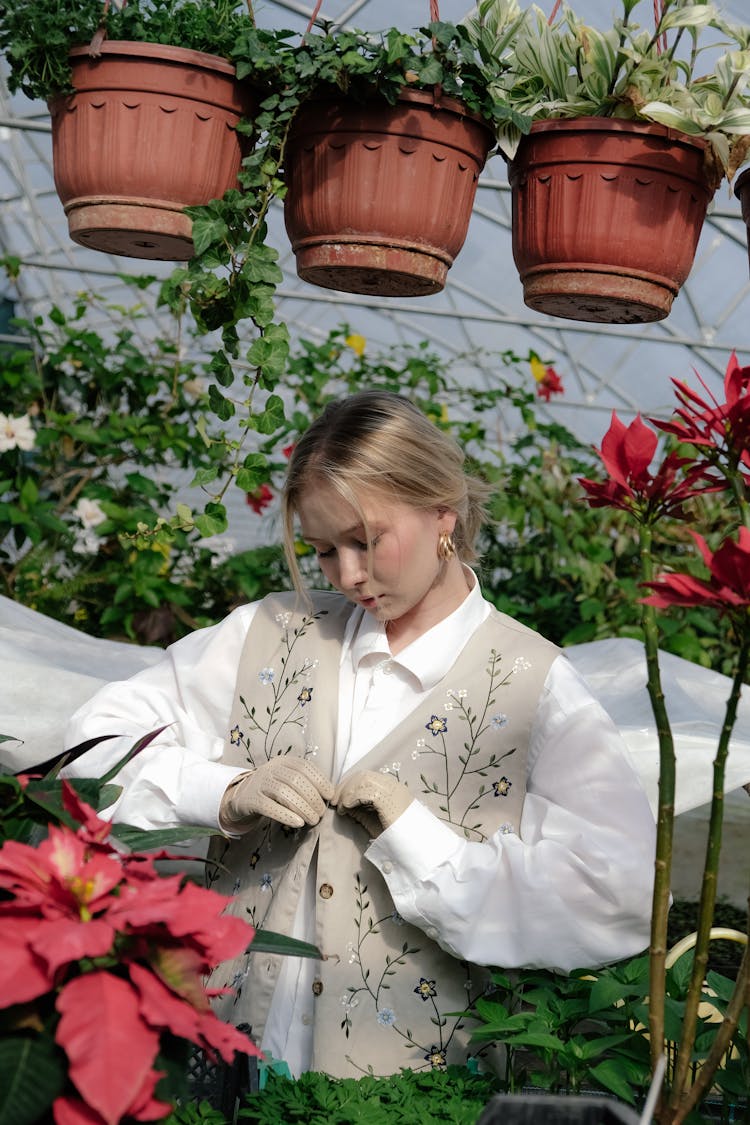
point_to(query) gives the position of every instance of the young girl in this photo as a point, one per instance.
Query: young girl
(402, 775)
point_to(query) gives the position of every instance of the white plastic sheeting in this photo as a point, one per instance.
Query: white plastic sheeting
(48, 669)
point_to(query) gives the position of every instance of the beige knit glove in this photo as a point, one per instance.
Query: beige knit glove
(287, 789)
(374, 800)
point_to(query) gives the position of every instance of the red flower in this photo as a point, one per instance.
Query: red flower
(260, 499)
(288, 450)
(550, 384)
(728, 587)
(627, 453)
(713, 425)
(122, 952)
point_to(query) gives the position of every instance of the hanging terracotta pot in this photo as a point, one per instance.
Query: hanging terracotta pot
(379, 197)
(606, 217)
(150, 130)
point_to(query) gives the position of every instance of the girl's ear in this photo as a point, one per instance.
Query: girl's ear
(447, 520)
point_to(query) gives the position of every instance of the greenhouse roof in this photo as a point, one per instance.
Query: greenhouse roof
(480, 311)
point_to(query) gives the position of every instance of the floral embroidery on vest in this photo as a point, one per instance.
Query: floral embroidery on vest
(385, 994)
(455, 770)
(261, 728)
(379, 986)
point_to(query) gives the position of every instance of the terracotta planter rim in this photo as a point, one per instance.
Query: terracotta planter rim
(421, 97)
(164, 52)
(615, 125)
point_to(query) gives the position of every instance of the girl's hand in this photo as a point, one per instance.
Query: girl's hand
(375, 800)
(286, 789)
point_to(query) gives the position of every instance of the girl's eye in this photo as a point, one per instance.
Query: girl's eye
(325, 554)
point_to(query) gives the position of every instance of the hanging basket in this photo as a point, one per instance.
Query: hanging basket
(606, 217)
(379, 197)
(150, 130)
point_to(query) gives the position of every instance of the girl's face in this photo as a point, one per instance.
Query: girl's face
(387, 563)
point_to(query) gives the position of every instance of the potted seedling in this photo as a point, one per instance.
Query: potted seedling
(634, 128)
(144, 105)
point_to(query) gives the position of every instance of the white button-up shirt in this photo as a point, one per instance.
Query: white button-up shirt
(575, 882)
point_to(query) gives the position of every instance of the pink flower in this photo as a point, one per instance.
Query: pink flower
(548, 381)
(713, 425)
(728, 587)
(120, 953)
(550, 384)
(627, 453)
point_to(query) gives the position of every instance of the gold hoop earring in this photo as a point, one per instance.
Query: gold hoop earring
(446, 548)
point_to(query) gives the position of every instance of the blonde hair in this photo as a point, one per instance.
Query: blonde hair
(379, 442)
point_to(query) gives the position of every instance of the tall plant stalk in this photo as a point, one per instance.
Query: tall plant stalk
(665, 815)
(714, 434)
(682, 1098)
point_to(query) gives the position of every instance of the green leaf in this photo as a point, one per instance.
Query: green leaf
(266, 941)
(222, 407)
(207, 232)
(610, 1074)
(32, 1075)
(205, 476)
(212, 521)
(143, 839)
(272, 417)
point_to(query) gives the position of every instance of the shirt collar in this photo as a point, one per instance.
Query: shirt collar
(429, 657)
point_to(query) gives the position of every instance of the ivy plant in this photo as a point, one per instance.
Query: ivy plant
(36, 35)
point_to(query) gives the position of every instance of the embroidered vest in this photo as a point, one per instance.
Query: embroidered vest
(384, 990)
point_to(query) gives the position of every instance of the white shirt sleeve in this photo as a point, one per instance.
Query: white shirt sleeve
(573, 889)
(179, 778)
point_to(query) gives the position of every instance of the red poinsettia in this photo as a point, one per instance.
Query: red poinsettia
(721, 426)
(114, 955)
(627, 453)
(728, 587)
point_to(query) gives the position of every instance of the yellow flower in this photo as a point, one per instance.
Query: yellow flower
(356, 343)
(538, 369)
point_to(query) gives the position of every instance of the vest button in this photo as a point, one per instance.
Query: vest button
(326, 890)
(317, 987)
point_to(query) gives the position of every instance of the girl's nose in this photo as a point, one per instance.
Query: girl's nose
(352, 568)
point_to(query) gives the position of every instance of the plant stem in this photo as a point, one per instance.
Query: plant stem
(721, 1042)
(665, 819)
(710, 878)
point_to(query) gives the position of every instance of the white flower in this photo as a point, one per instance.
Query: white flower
(266, 676)
(87, 542)
(16, 433)
(498, 721)
(90, 512)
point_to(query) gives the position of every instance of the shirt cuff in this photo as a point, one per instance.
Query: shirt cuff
(200, 800)
(412, 848)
